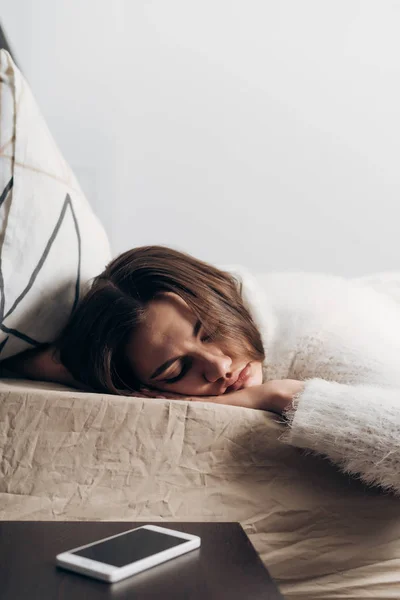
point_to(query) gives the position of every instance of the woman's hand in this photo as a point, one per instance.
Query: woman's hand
(146, 392)
(276, 395)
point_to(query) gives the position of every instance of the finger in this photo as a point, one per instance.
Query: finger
(147, 394)
(150, 393)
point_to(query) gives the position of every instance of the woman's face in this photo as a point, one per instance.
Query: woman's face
(169, 351)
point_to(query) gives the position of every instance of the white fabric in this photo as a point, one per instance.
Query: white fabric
(51, 243)
(342, 337)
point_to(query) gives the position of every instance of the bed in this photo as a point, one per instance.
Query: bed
(71, 455)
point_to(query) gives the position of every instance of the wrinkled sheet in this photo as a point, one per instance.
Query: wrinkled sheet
(70, 455)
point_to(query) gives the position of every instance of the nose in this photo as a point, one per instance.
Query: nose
(216, 367)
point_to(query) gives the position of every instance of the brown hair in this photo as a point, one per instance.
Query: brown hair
(92, 346)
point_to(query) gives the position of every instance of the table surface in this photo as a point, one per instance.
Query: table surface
(225, 566)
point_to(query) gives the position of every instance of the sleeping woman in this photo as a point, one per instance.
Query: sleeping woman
(322, 351)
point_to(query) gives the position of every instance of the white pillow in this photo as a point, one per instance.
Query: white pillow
(51, 243)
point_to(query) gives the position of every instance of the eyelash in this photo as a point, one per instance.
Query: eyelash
(187, 365)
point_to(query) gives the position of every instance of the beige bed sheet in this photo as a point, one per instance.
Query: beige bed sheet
(67, 455)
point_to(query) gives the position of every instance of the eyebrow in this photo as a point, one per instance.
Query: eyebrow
(169, 362)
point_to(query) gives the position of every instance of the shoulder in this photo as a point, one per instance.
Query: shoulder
(289, 295)
(324, 325)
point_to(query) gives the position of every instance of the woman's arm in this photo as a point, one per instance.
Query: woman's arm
(274, 395)
(356, 426)
(42, 364)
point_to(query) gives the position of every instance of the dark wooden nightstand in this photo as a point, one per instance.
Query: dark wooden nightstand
(226, 565)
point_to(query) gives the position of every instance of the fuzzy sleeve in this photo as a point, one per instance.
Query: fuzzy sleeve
(356, 426)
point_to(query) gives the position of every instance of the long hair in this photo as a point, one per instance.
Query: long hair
(93, 345)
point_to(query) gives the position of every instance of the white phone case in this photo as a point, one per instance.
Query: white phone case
(111, 573)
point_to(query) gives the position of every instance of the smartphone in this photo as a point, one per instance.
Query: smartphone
(125, 554)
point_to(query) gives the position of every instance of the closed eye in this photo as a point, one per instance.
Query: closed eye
(206, 338)
(210, 336)
(187, 363)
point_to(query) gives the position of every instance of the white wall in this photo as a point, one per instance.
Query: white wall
(262, 132)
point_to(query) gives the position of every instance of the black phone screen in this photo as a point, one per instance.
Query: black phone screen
(129, 547)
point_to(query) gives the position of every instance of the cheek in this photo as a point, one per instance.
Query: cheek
(190, 385)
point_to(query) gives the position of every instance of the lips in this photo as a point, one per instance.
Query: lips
(243, 375)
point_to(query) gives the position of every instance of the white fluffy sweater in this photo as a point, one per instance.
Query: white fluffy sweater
(342, 337)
